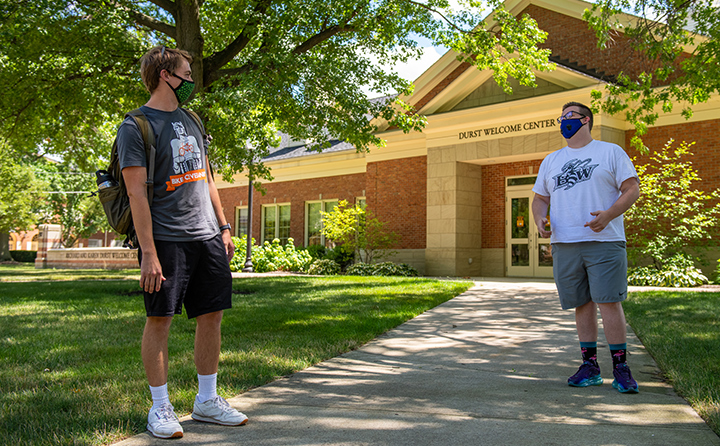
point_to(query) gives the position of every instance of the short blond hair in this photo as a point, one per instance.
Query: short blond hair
(160, 58)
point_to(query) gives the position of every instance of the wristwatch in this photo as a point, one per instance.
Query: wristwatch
(224, 227)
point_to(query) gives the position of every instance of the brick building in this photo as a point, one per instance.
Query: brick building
(459, 193)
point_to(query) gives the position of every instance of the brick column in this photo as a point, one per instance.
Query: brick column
(48, 238)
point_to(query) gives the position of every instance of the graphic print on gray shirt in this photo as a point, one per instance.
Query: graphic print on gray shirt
(181, 209)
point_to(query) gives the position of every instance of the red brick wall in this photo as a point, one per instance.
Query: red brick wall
(570, 38)
(397, 194)
(493, 199)
(441, 85)
(706, 150)
(396, 191)
(343, 187)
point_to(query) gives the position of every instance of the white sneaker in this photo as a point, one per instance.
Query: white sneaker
(163, 423)
(218, 411)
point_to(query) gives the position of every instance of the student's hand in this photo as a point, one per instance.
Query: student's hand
(151, 276)
(541, 225)
(229, 246)
(600, 221)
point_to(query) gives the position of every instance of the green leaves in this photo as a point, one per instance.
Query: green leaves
(69, 68)
(681, 41)
(670, 214)
(359, 231)
(20, 193)
(70, 203)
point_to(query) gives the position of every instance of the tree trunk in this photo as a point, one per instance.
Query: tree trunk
(5, 246)
(189, 37)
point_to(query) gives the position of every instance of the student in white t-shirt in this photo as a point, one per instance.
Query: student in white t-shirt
(589, 184)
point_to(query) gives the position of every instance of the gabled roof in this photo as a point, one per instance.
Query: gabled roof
(448, 82)
(290, 148)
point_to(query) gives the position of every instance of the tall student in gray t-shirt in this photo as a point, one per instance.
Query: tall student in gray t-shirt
(185, 245)
(588, 185)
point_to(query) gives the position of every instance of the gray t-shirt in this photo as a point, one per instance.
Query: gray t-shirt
(181, 209)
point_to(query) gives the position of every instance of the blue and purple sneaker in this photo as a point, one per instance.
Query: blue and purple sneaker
(587, 375)
(624, 381)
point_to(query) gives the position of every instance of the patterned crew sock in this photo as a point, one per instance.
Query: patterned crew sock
(619, 353)
(589, 352)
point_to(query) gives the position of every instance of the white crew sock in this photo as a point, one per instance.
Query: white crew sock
(207, 387)
(159, 395)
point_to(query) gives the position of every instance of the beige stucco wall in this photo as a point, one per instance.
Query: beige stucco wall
(413, 257)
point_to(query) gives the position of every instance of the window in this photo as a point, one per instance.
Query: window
(521, 181)
(241, 221)
(276, 223)
(360, 201)
(313, 221)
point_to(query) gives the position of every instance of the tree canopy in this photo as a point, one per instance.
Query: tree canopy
(681, 40)
(69, 68)
(21, 194)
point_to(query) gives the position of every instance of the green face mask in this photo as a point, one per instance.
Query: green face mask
(184, 90)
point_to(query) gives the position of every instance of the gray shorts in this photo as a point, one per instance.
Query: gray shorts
(590, 271)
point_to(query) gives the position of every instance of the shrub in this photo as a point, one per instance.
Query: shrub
(361, 269)
(24, 256)
(670, 214)
(359, 231)
(341, 255)
(237, 263)
(316, 251)
(679, 271)
(324, 267)
(270, 256)
(716, 273)
(382, 269)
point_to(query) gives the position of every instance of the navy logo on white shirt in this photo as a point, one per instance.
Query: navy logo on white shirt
(574, 172)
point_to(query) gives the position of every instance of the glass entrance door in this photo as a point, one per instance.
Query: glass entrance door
(527, 255)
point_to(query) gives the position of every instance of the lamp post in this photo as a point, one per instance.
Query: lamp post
(248, 253)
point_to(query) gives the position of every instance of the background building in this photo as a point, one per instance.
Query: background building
(459, 193)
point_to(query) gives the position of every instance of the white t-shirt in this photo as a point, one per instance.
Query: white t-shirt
(580, 181)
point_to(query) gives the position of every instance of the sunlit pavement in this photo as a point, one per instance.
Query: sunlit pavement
(488, 367)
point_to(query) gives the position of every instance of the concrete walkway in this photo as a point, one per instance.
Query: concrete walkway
(488, 367)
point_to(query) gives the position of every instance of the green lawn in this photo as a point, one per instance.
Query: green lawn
(70, 351)
(26, 272)
(681, 330)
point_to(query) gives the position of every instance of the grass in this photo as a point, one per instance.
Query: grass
(26, 272)
(681, 330)
(71, 371)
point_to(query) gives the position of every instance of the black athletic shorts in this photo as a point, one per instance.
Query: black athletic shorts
(197, 275)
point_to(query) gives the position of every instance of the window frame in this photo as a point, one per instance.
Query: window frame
(323, 208)
(277, 207)
(237, 226)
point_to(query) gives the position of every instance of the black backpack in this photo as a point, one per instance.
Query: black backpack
(111, 185)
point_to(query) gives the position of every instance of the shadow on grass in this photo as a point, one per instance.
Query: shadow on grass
(71, 350)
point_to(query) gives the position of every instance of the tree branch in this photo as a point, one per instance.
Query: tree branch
(213, 63)
(168, 5)
(448, 21)
(321, 37)
(325, 34)
(150, 22)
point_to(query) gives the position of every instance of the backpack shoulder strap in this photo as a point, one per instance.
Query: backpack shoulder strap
(197, 120)
(206, 138)
(149, 139)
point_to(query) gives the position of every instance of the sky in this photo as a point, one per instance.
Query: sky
(414, 68)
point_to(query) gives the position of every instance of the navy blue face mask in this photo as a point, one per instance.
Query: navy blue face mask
(569, 127)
